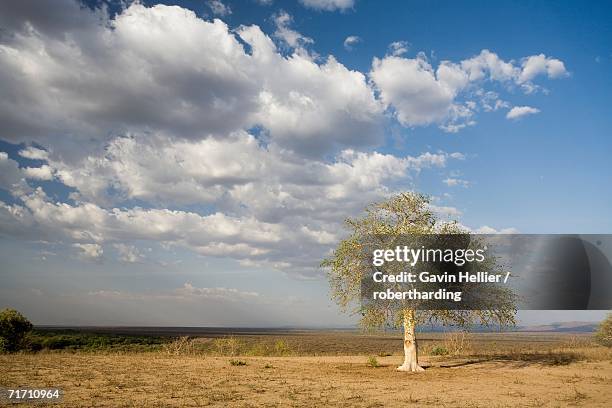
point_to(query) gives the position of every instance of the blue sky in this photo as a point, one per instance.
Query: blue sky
(162, 168)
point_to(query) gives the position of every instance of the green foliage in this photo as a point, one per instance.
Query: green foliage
(405, 215)
(439, 351)
(281, 347)
(604, 333)
(373, 362)
(228, 346)
(13, 330)
(180, 346)
(74, 340)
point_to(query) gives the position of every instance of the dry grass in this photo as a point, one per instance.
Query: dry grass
(492, 372)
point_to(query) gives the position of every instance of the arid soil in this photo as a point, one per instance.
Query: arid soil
(154, 380)
(555, 378)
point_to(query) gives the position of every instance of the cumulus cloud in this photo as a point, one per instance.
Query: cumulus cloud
(234, 143)
(351, 41)
(411, 87)
(420, 94)
(213, 171)
(38, 173)
(163, 69)
(34, 153)
(328, 5)
(269, 202)
(520, 111)
(541, 64)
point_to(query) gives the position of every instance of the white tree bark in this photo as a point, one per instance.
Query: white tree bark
(410, 347)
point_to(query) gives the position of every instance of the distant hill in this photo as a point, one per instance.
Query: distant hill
(558, 327)
(582, 327)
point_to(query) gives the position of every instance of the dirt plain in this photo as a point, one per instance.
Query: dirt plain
(491, 371)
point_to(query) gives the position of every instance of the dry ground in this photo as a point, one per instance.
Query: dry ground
(557, 377)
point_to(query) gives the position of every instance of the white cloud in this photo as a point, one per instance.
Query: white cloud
(420, 95)
(445, 211)
(269, 202)
(411, 87)
(186, 292)
(541, 64)
(487, 64)
(128, 253)
(192, 172)
(490, 101)
(351, 41)
(89, 251)
(218, 8)
(453, 182)
(164, 70)
(398, 48)
(152, 106)
(282, 21)
(38, 173)
(312, 108)
(485, 229)
(213, 171)
(457, 155)
(520, 111)
(34, 153)
(328, 5)
(216, 293)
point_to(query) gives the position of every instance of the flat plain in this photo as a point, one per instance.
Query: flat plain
(328, 369)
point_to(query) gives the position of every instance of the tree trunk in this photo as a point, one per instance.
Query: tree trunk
(410, 347)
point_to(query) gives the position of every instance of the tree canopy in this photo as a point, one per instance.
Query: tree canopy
(13, 328)
(401, 215)
(604, 333)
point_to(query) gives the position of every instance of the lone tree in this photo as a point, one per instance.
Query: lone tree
(604, 333)
(401, 215)
(13, 328)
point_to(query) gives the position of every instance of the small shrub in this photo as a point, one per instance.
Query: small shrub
(281, 347)
(456, 342)
(238, 362)
(259, 349)
(604, 333)
(373, 362)
(384, 354)
(227, 346)
(13, 330)
(439, 351)
(268, 365)
(181, 346)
